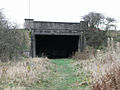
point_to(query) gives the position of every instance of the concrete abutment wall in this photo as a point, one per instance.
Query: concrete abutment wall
(56, 39)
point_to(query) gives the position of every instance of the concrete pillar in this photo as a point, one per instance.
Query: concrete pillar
(29, 24)
(33, 44)
(79, 44)
(82, 39)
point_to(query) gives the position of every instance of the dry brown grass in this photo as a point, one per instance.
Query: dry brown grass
(88, 53)
(105, 72)
(24, 73)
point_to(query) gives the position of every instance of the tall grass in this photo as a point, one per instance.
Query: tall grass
(88, 53)
(27, 73)
(105, 71)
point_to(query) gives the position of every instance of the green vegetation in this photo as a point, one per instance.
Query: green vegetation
(57, 74)
(96, 39)
(66, 77)
(13, 41)
(98, 71)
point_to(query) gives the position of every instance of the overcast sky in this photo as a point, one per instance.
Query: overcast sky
(58, 10)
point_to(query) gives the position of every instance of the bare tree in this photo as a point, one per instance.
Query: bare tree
(3, 21)
(93, 19)
(98, 20)
(110, 22)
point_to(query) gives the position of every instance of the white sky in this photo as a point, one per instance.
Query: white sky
(58, 10)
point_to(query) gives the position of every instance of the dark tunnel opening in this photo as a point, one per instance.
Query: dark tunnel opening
(56, 46)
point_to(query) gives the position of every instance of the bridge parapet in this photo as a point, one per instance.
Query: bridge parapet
(57, 28)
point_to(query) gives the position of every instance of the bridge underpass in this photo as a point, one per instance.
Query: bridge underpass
(56, 39)
(56, 46)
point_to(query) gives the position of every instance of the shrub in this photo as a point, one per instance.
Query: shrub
(12, 41)
(88, 53)
(96, 38)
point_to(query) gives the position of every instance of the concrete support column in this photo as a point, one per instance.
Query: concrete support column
(29, 24)
(84, 41)
(79, 43)
(33, 44)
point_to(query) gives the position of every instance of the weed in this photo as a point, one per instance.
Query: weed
(105, 72)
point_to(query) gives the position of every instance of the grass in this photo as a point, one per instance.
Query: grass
(28, 73)
(63, 74)
(105, 71)
(44, 74)
(66, 78)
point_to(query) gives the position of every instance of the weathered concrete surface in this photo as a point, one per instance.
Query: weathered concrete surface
(55, 28)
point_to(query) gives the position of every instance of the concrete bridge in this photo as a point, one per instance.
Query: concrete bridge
(56, 39)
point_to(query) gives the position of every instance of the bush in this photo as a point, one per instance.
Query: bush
(96, 38)
(12, 41)
(87, 54)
